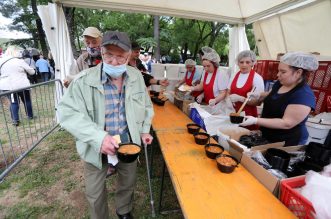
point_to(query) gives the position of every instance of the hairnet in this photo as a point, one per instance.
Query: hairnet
(246, 54)
(300, 60)
(190, 62)
(213, 57)
(206, 49)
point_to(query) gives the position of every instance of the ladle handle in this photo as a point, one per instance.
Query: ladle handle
(245, 102)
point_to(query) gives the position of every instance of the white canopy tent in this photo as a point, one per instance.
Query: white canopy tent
(278, 33)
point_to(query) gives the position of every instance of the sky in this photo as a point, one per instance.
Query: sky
(5, 33)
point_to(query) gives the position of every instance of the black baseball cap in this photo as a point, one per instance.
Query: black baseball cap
(116, 38)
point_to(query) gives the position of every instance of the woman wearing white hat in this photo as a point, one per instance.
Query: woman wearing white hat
(213, 82)
(287, 106)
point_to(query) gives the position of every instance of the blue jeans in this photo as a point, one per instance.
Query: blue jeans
(45, 76)
(15, 104)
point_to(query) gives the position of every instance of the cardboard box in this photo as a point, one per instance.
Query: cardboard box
(262, 175)
(236, 149)
(183, 105)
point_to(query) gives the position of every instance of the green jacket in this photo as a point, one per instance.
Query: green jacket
(82, 111)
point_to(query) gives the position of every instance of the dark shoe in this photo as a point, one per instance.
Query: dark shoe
(30, 117)
(125, 216)
(111, 170)
(16, 123)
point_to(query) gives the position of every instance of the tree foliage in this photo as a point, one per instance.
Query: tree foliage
(179, 38)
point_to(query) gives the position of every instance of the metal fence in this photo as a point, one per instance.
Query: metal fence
(27, 116)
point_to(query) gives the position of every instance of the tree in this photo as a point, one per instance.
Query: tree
(26, 19)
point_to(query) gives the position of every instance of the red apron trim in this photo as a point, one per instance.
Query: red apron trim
(249, 110)
(208, 89)
(189, 81)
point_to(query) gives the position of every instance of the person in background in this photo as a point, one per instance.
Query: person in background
(44, 68)
(213, 82)
(92, 39)
(192, 76)
(134, 61)
(287, 106)
(52, 64)
(13, 75)
(103, 101)
(243, 82)
(29, 60)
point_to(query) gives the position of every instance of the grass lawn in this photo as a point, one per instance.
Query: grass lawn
(49, 183)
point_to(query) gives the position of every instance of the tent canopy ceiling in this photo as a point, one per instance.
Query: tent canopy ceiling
(226, 11)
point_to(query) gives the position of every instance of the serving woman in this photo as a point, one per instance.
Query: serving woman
(287, 106)
(244, 81)
(213, 82)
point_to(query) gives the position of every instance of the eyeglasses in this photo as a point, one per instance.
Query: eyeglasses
(111, 57)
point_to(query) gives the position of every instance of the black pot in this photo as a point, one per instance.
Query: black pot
(201, 141)
(278, 159)
(318, 153)
(154, 93)
(210, 154)
(193, 128)
(224, 168)
(236, 119)
(126, 157)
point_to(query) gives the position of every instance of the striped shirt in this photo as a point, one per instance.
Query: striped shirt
(115, 119)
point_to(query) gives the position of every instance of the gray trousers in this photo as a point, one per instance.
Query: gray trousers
(96, 192)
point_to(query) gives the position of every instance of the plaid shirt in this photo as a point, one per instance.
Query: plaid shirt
(115, 119)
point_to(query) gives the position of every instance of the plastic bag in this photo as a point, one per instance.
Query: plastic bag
(277, 173)
(296, 156)
(318, 191)
(259, 158)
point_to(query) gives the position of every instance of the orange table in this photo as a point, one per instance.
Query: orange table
(202, 190)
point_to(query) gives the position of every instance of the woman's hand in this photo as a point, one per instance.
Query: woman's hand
(249, 120)
(200, 98)
(236, 98)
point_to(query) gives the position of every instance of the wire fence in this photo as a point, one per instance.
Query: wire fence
(27, 116)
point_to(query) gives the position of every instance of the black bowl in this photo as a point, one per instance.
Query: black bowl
(278, 159)
(211, 154)
(127, 157)
(236, 119)
(193, 128)
(201, 140)
(226, 168)
(158, 101)
(154, 93)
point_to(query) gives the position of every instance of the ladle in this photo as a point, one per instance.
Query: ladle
(246, 100)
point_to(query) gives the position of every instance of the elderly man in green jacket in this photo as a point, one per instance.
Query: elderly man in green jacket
(103, 101)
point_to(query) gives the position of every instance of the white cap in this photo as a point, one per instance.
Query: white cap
(92, 32)
(190, 62)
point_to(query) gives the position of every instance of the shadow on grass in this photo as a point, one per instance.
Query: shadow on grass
(49, 183)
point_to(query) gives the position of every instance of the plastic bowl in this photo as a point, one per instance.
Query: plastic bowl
(158, 101)
(235, 118)
(128, 152)
(193, 128)
(277, 158)
(201, 138)
(223, 164)
(213, 150)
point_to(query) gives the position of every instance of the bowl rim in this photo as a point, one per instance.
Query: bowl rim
(128, 143)
(227, 155)
(216, 145)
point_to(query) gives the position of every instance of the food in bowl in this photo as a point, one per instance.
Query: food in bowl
(193, 128)
(214, 149)
(226, 161)
(201, 138)
(129, 149)
(128, 152)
